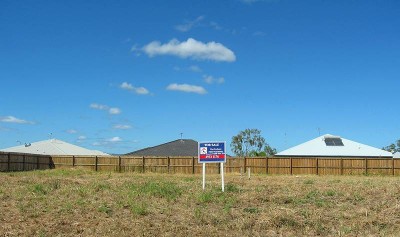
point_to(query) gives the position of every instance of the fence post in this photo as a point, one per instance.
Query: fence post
(168, 164)
(366, 166)
(244, 164)
(266, 165)
(23, 162)
(317, 166)
(291, 166)
(119, 164)
(393, 166)
(37, 162)
(192, 164)
(341, 166)
(8, 162)
(96, 161)
(73, 161)
(143, 164)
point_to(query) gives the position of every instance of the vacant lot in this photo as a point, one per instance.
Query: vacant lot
(83, 203)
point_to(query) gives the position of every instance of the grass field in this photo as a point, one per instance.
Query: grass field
(84, 203)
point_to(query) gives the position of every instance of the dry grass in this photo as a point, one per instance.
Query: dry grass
(84, 203)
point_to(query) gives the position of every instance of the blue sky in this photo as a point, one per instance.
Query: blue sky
(118, 76)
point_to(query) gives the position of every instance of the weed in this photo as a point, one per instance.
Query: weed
(312, 195)
(357, 197)
(330, 193)
(67, 208)
(229, 203)
(189, 179)
(198, 213)
(284, 221)
(83, 191)
(101, 186)
(167, 190)
(105, 209)
(309, 181)
(230, 187)
(205, 197)
(39, 189)
(55, 184)
(42, 233)
(251, 210)
(139, 209)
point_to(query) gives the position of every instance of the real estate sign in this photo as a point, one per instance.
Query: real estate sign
(212, 152)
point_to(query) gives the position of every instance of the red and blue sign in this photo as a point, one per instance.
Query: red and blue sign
(210, 152)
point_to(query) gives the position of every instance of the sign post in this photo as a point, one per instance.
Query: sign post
(212, 152)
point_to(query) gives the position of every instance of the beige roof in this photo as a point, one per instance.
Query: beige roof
(54, 147)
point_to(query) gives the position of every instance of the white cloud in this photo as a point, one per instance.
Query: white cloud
(71, 131)
(137, 90)
(107, 142)
(115, 139)
(112, 111)
(212, 80)
(81, 138)
(98, 106)
(187, 88)
(259, 33)
(12, 119)
(188, 25)
(192, 68)
(195, 68)
(122, 126)
(191, 49)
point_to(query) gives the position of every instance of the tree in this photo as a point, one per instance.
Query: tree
(249, 142)
(393, 147)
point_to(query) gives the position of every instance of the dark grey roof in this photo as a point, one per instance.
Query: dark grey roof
(180, 147)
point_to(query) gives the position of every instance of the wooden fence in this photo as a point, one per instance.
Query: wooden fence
(190, 165)
(24, 162)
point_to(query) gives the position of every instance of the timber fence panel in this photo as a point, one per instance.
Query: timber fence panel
(304, 166)
(181, 165)
(256, 164)
(396, 167)
(279, 165)
(4, 161)
(24, 162)
(379, 166)
(63, 161)
(86, 162)
(353, 166)
(107, 163)
(234, 164)
(329, 166)
(131, 164)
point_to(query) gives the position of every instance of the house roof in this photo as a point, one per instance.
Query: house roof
(396, 155)
(180, 147)
(54, 147)
(329, 145)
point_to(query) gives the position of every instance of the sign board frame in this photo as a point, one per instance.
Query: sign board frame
(212, 152)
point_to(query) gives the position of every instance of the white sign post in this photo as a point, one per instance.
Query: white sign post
(212, 152)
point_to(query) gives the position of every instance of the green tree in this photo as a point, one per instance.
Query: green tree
(394, 147)
(249, 142)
